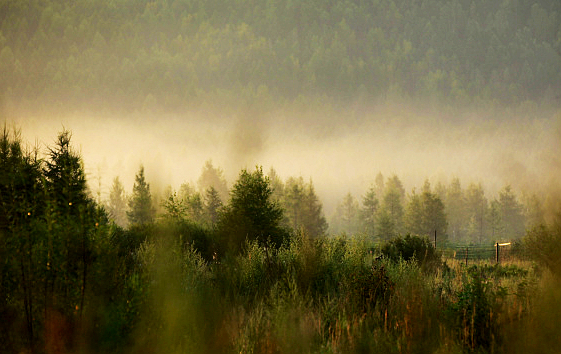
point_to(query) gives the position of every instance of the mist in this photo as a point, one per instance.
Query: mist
(340, 152)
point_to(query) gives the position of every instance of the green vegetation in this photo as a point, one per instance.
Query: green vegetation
(176, 55)
(73, 280)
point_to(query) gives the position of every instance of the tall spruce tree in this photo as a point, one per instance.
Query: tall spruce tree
(392, 204)
(72, 222)
(456, 210)
(65, 177)
(293, 202)
(313, 220)
(369, 210)
(212, 206)
(22, 204)
(141, 210)
(425, 214)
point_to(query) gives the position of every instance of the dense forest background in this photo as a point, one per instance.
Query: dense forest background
(172, 56)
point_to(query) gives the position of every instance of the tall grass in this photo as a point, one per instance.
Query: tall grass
(327, 295)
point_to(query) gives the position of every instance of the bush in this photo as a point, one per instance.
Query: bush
(474, 314)
(412, 247)
(543, 244)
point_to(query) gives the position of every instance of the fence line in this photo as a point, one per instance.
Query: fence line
(496, 252)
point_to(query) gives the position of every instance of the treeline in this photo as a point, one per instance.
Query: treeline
(178, 54)
(207, 202)
(385, 211)
(456, 214)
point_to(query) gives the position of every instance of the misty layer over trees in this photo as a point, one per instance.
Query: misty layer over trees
(175, 55)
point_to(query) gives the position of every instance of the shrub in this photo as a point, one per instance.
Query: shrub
(473, 314)
(543, 244)
(412, 247)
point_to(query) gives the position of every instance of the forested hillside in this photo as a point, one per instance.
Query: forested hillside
(172, 55)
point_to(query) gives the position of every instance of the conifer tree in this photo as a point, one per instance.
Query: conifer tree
(511, 215)
(477, 212)
(22, 204)
(414, 214)
(313, 220)
(425, 214)
(252, 214)
(141, 210)
(496, 226)
(293, 202)
(277, 185)
(212, 206)
(347, 215)
(117, 204)
(213, 177)
(392, 204)
(72, 221)
(66, 178)
(434, 216)
(368, 212)
(456, 210)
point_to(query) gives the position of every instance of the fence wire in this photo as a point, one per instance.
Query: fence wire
(475, 252)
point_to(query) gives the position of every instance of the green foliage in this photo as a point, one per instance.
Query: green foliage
(367, 288)
(412, 248)
(212, 206)
(65, 177)
(511, 215)
(302, 208)
(477, 208)
(390, 216)
(251, 214)
(52, 236)
(543, 244)
(141, 211)
(425, 215)
(472, 313)
(369, 211)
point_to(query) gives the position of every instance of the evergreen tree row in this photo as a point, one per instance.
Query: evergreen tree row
(455, 214)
